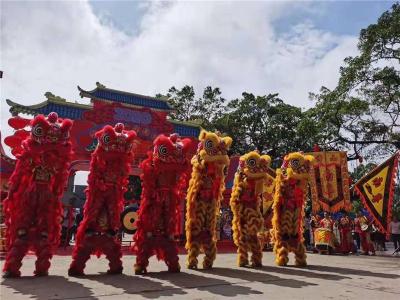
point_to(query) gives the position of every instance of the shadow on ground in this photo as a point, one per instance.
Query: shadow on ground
(202, 283)
(257, 276)
(351, 271)
(137, 285)
(50, 287)
(295, 271)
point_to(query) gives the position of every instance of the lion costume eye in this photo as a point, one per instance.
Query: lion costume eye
(295, 163)
(208, 144)
(106, 139)
(251, 162)
(37, 130)
(162, 150)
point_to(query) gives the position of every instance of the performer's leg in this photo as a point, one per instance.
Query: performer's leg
(343, 242)
(256, 257)
(46, 225)
(171, 257)
(113, 252)
(44, 254)
(281, 253)
(383, 241)
(243, 259)
(193, 253)
(300, 255)
(396, 240)
(364, 243)
(306, 235)
(349, 241)
(142, 256)
(81, 255)
(358, 241)
(14, 257)
(210, 253)
(371, 247)
(210, 244)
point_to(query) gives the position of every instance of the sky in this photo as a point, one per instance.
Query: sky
(290, 48)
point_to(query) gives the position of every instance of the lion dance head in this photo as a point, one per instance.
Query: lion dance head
(254, 165)
(115, 139)
(213, 150)
(297, 165)
(172, 150)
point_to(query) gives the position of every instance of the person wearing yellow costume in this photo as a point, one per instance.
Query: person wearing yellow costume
(246, 204)
(289, 200)
(207, 183)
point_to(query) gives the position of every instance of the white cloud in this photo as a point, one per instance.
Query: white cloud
(54, 46)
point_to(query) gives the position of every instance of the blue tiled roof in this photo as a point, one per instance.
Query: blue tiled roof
(62, 110)
(185, 130)
(75, 113)
(130, 99)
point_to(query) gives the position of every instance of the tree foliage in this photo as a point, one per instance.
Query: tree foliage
(363, 110)
(264, 123)
(360, 115)
(205, 110)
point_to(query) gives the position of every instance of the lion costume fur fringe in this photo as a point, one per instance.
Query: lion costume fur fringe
(204, 195)
(109, 169)
(165, 176)
(33, 209)
(246, 204)
(288, 206)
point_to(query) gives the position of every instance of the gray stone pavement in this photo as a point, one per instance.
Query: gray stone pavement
(326, 277)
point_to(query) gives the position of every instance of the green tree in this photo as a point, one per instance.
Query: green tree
(183, 102)
(204, 110)
(361, 170)
(265, 123)
(363, 111)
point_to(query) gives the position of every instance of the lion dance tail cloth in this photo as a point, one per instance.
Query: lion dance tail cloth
(289, 200)
(246, 204)
(204, 196)
(109, 169)
(165, 176)
(33, 208)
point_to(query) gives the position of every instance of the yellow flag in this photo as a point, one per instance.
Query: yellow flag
(329, 182)
(376, 190)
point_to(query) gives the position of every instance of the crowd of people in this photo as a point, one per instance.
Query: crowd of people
(356, 235)
(348, 235)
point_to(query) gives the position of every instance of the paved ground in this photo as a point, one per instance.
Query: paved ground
(326, 277)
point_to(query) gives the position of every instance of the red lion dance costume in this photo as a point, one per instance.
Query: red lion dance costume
(109, 168)
(246, 204)
(204, 196)
(289, 200)
(33, 208)
(165, 175)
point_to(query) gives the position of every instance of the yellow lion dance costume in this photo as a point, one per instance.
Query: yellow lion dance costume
(246, 203)
(289, 199)
(204, 196)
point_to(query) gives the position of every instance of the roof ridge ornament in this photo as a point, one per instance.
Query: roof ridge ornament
(51, 96)
(99, 85)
